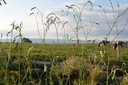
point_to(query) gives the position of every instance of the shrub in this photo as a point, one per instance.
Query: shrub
(26, 40)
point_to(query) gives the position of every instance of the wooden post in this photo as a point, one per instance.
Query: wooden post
(118, 52)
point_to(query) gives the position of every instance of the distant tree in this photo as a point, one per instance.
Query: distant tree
(26, 40)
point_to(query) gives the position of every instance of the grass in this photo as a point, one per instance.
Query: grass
(45, 50)
(48, 52)
(80, 64)
(71, 70)
(61, 50)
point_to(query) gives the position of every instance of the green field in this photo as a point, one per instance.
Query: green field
(43, 51)
(69, 64)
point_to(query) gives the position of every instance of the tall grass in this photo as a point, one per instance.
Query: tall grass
(117, 17)
(78, 19)
(66, 64)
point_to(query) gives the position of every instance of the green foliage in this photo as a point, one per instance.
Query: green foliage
(73, 61)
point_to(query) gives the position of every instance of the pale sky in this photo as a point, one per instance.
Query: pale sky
(19, 10)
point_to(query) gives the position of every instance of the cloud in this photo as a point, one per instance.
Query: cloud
(105, 19)
(95, 15)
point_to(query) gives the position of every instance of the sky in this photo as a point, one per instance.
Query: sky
(101, 19)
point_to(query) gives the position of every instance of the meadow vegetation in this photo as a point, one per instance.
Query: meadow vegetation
(68, 64)
(24, 63)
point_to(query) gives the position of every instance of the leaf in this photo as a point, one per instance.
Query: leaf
(14, 40)
(68, 6)
(31, 14)
(4, 1)
(16, 27)
(100, 6)
(97, 23)
(16, 46)
(72, 5)
(8, 33)
(62, 10)
(16, 36)
(57, 18)
(91, 4)
(50, 15)
(33, 8)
